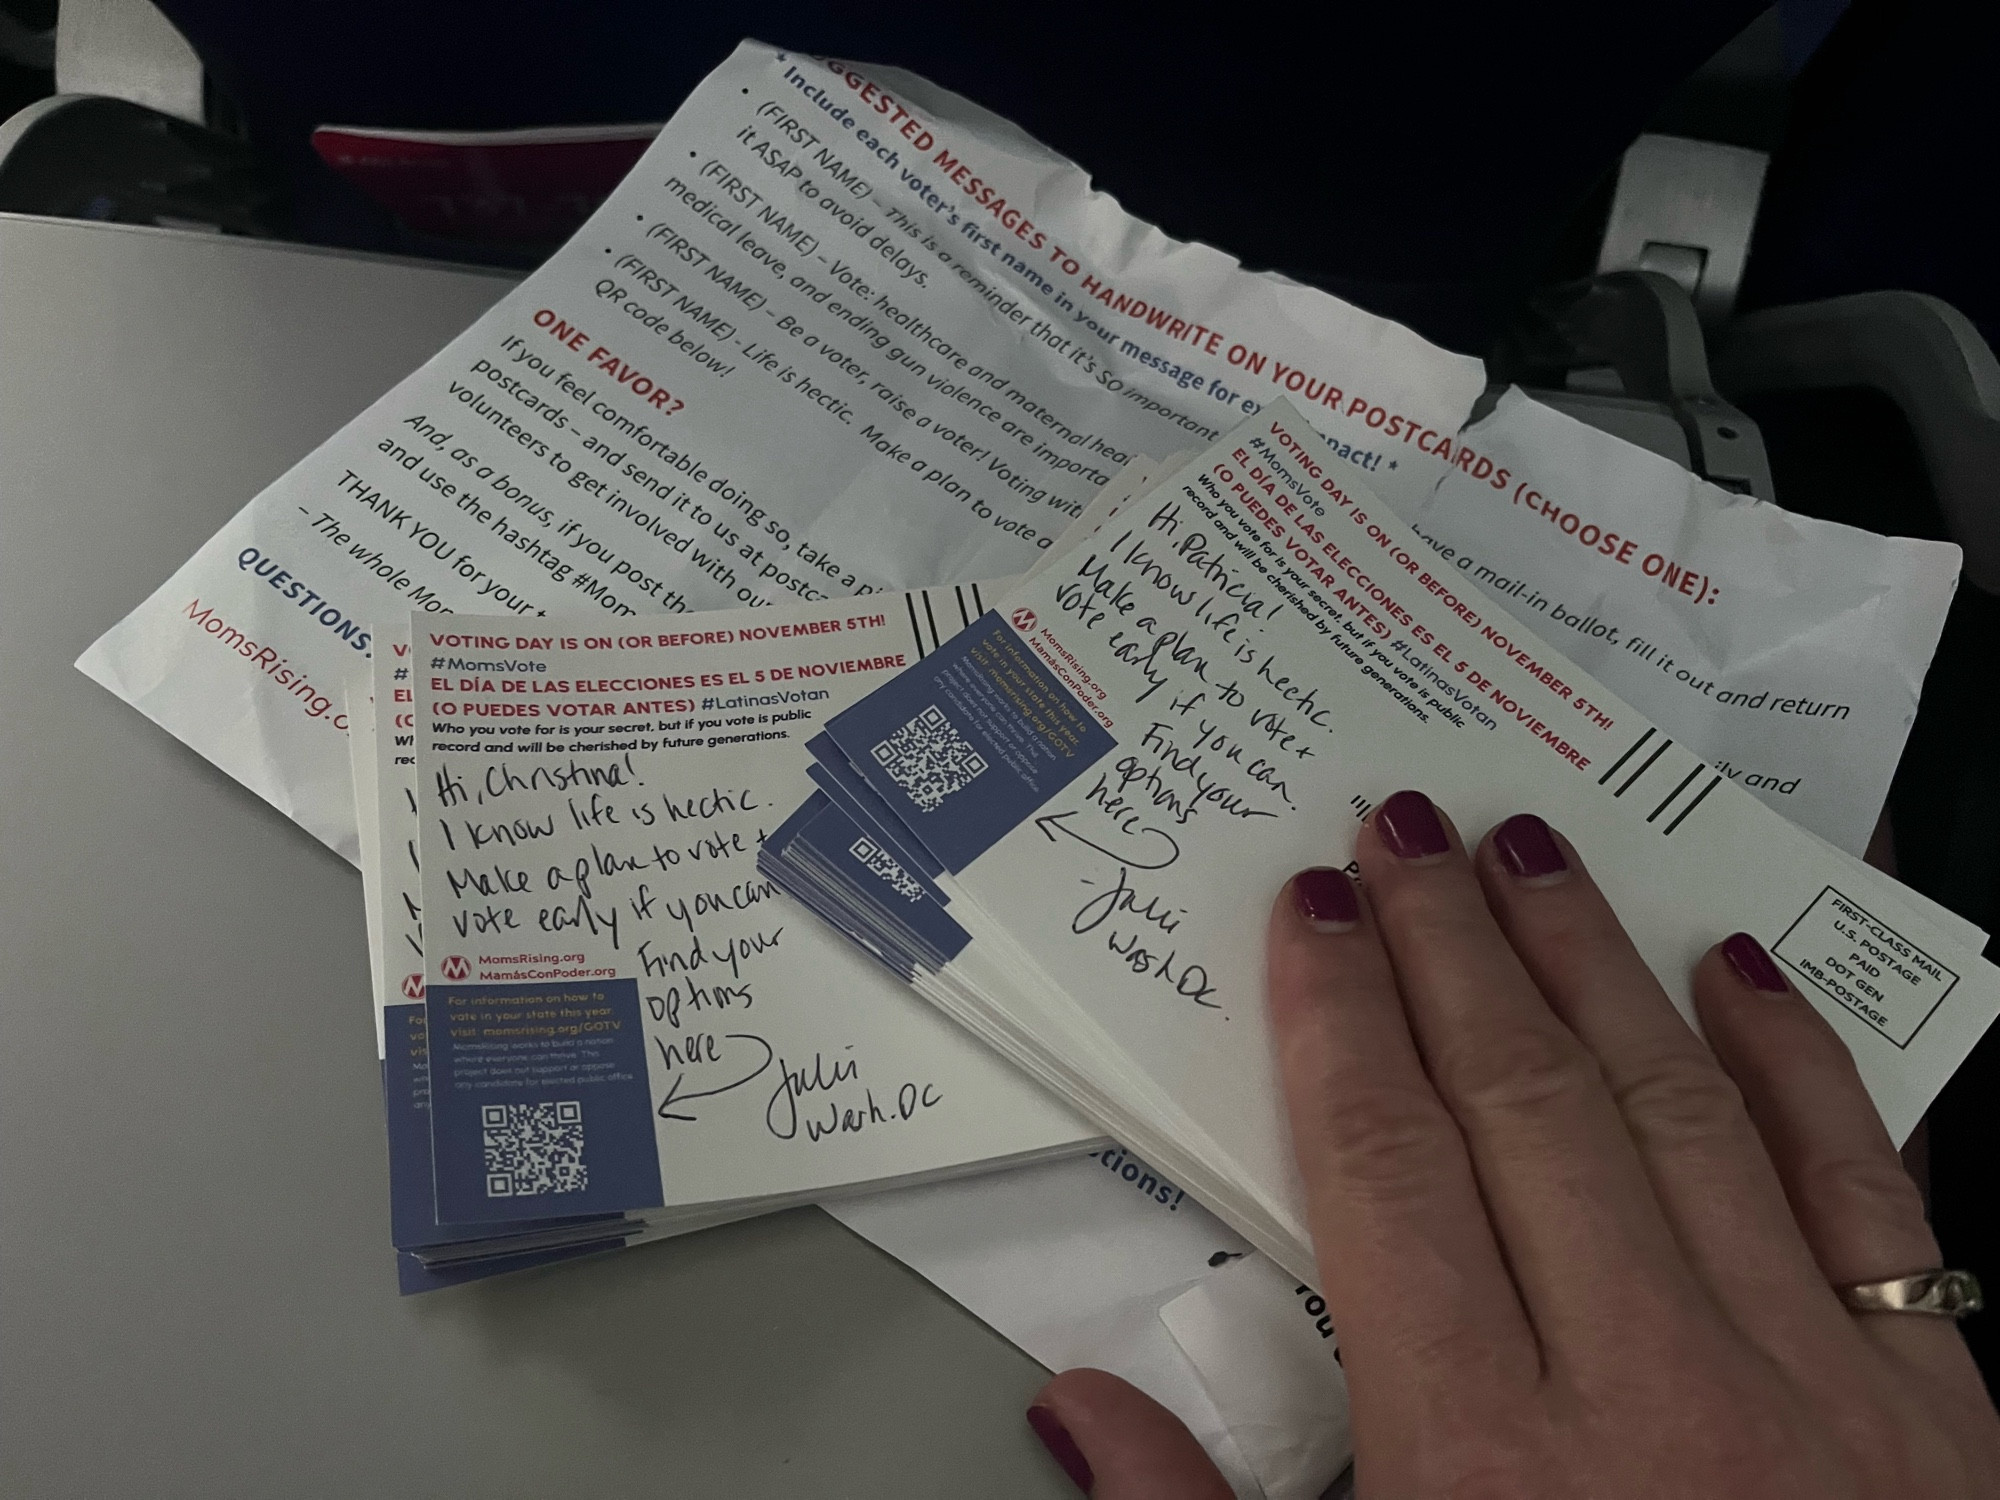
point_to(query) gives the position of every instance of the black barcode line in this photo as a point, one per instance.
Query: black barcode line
(958, 591)
(977, 602)
(1636, 748)
(1681, 818)
(915, 629)
(1686, 782)
(1626, 785)
(932, 618)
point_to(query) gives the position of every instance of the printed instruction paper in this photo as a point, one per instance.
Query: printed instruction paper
(1787, 651)
(1099, 1261)
(838, 331)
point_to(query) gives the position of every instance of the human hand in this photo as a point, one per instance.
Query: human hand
(1571, 1249)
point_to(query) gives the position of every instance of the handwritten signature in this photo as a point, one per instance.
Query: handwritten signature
(827, 1116)
(1122, 899)
(1143, 918)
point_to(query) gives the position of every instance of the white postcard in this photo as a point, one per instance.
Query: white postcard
(1119, 769)
(623, 1013)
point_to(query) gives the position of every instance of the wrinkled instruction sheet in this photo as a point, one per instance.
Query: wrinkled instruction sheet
(1787, 651)
(831, 336)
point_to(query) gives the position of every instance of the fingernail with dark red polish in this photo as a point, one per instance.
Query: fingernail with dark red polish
(1062, 1447)
(1410, 826)
(1528, 849)
(1326, 898)
(1753, 965)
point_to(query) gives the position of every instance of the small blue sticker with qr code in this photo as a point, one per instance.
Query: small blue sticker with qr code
(539, 1100)
(843, 785)
(412, 1176)
(913, 930)
(968, 743)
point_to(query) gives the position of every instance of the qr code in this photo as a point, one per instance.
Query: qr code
(533, 1148)
(875, 860)
(929, 759)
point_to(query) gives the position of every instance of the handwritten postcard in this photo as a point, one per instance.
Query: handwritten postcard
(623, 1012)
(429, 1253)
(1118, 768)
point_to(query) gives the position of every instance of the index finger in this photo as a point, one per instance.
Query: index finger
(1408, 1259)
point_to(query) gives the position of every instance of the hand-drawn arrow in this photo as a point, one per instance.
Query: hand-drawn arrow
(1053, 823)
(675, 1096)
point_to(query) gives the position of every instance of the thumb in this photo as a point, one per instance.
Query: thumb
(1117, 1443)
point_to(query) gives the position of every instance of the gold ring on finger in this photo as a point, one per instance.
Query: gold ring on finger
(1937, 1293)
